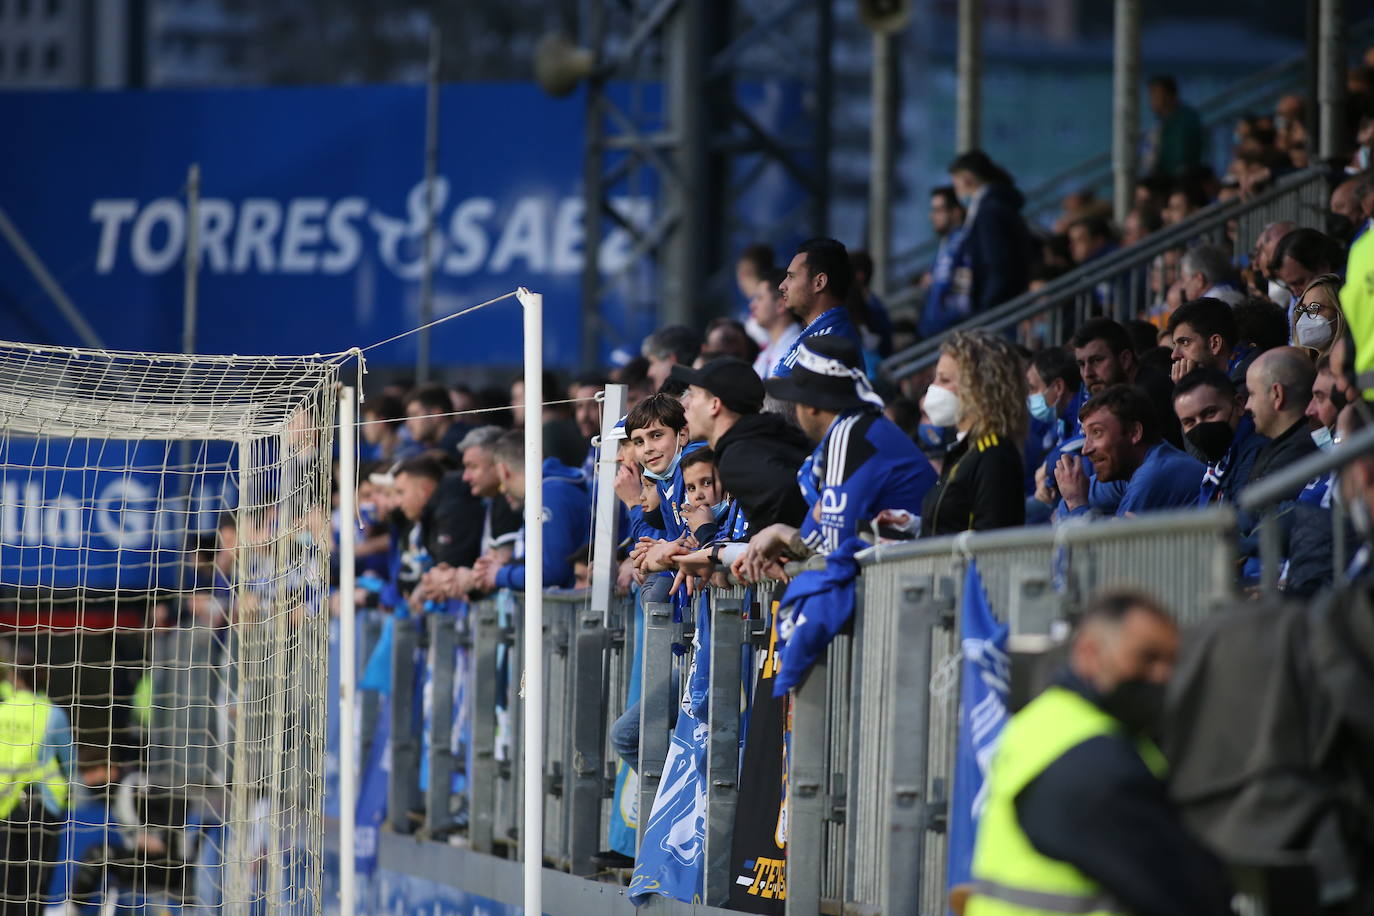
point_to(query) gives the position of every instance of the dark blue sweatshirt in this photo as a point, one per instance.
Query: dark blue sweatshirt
(567, 524)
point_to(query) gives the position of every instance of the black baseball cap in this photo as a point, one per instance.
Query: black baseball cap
(732, 380)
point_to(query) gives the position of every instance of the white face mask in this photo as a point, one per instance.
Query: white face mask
(941, 406)
(1323, 439)
(1314, 331)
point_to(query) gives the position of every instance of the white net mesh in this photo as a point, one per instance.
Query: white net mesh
(164, 596)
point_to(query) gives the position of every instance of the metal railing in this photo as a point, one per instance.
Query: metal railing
(1264, 495)
(874, 726)
(1220, 112)
(1128, 281)
(904, 688)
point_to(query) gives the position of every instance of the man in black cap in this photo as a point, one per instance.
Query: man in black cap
(757, 454)
(862, 464)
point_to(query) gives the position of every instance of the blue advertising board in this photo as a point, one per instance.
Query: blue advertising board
(311, 218)
(105, 515)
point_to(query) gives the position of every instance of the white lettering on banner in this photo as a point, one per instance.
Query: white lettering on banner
(317, 235)
(127, 513)
(524, 237)
(343, 235)
(259, 219)
(111, 214)
(303, 230)
(216, 222)
(163, 211)
(470, 245)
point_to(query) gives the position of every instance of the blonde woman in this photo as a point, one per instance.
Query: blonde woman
(980, 390)
(1317, 320)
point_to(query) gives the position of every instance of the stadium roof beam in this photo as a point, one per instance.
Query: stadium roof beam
(665, 118)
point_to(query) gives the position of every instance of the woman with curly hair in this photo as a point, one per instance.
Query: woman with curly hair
(980, 389)
(1318, 321)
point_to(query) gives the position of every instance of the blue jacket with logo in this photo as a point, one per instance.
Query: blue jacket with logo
(863, 465)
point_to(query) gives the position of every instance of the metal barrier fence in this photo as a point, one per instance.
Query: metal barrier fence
(898, 742)
(873, 728)
(1127, 282)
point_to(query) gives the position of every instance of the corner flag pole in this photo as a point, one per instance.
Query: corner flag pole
(348, 662)
(532, 832)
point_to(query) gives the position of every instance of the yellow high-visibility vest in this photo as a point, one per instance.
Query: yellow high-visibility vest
(23, 726)
(1011, 877)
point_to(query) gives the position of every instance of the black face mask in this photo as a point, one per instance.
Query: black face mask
(1138, 705)
(1212, 439)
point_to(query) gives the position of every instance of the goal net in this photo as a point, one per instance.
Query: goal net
(165, 533)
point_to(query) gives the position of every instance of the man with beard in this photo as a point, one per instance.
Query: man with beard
(1122, 440)
(1106, 357)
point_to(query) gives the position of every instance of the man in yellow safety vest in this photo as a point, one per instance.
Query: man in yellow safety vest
(1077, 819)
(35, 740)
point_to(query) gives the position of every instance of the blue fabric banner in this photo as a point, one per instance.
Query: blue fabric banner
(985, 680)
(624, 826)
(371, 807)
(672, 858)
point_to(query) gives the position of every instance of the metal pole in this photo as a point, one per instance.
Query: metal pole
(1331, 79)
(422, 356)
(1125, 105)
(606, 508)
(532, 832)
(822, 131)
(682, 262)
(594, 143)
(192, 259)
(1311, 68)
(348, 668)
(969, 103)
(880, 161)
(40, 273)
(189, 304)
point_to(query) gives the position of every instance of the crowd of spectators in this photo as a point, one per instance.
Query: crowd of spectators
(770, 436)
(1238, 364)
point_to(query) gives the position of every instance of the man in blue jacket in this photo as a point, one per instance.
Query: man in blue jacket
(1122, 439)
(815, 289)
(567, 517)
(863, 463)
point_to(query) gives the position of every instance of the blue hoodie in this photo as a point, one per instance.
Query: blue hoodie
(567, 524)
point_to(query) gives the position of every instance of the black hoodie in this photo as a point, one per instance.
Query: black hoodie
(757, 460)
(1000, 246)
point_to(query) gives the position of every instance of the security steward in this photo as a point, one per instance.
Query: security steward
(1077, 819)
(33, 783)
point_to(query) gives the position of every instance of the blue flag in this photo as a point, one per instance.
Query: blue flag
(672, 858)
(623, 831)
(985, 678)
(371, 805)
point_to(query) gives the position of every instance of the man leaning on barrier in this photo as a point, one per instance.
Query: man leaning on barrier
(1077, 819)
(862, 463)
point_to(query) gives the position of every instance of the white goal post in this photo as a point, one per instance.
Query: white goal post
(165, 550)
